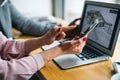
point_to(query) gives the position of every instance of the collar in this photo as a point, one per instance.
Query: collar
(2, 2)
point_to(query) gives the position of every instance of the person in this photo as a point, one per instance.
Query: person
(10, 17)
(14, 65)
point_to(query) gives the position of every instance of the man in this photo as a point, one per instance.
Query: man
(10, 17)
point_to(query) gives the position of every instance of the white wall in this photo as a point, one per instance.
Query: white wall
(73, 9)
(34, 7)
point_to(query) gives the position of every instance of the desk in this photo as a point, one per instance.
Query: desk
(96, 71)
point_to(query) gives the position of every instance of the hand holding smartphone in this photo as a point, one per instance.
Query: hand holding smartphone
(72, 33)
(90, 28)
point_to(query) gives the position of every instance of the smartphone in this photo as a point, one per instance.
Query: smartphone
(90, 28)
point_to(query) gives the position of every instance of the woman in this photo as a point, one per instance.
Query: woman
(13, 64)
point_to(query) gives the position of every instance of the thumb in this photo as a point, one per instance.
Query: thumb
(80, 41)
(57, 30)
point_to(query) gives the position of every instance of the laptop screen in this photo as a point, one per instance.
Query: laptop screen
(103, 36)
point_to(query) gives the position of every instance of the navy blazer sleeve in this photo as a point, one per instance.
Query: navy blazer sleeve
(28, 26)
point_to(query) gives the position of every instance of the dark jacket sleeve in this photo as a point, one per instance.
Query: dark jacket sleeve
(28, 26)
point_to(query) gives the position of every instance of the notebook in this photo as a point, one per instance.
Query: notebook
(101, 41)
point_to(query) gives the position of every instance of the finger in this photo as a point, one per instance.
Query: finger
(85, 39)
(61, 36)
(80, 41)
(76, 37)
(56, 30)
(82, 34)
(59, 29)
(77, 42)
(67, 28)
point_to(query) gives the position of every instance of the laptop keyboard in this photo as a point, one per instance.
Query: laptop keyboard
(87, 54)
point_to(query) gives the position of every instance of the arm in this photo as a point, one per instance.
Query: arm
(56, 33)
(28, 26)
(24, 68)
(74, 46)
(17, 69)
(19, 48)
(21, 69)
(11, 48)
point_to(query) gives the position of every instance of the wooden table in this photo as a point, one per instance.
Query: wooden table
(96, 71)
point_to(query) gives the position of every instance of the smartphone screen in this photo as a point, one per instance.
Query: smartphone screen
(90, 28)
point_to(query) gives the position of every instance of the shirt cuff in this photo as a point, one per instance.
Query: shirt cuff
(39, 60)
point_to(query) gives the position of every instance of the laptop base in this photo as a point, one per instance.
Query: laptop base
(71, 60)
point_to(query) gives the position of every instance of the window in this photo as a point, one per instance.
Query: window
(34, 7)
(73, 9)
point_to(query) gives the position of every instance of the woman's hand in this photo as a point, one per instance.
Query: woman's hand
(74, 46)
(56, 33)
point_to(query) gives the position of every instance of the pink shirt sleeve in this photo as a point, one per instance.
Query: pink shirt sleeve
(19, 67)
(10, 49)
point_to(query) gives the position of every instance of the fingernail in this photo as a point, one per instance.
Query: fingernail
(59, 29)
(85, 39)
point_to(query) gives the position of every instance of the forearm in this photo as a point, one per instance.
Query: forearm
(48, 55)
(21, 69)
(46, 39)
(73, 46)
(33, 44)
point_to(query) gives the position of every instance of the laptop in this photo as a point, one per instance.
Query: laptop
(101, 41)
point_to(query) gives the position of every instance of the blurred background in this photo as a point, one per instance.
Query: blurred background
(65, 9)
